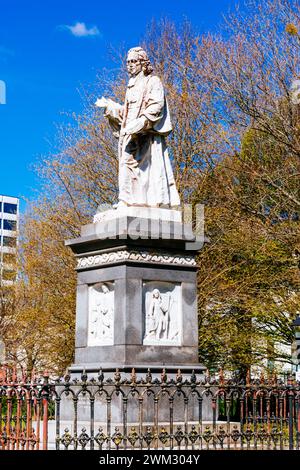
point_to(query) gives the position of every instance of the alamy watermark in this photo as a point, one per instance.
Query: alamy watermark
(2, 92)
(144, 223)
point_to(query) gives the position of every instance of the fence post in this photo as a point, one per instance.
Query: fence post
(45, 398)
(291, 414)
(28, 417)
(8, 418)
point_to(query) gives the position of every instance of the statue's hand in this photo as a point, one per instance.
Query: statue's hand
(101, 102)
(135, 126)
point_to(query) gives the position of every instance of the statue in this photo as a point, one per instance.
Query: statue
(142, 123)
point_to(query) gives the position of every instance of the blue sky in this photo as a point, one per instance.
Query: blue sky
(49, 49)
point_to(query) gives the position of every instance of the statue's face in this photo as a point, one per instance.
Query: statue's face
(134, 65)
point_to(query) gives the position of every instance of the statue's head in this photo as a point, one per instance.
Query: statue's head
(137, 60)
(104, 288)
(156, 294)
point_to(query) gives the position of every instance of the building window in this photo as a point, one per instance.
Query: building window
(10, 225)
(9, 258)
(9, 241)
(10, 208)
(9, 275)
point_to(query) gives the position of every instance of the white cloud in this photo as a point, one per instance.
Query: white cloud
(81, 30)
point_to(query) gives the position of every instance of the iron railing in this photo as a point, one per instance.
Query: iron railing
(151, 411)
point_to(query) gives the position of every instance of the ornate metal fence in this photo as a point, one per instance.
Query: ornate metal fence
(152, 411)
(22, 404)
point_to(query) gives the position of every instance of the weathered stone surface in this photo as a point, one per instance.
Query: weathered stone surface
(136, 233)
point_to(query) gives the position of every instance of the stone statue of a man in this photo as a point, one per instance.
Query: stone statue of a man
(145, 172)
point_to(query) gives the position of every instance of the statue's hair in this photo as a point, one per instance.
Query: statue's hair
(142, 55)
(154, 291)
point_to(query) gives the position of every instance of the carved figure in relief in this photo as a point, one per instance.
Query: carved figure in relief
(159, 316)
(102, 315)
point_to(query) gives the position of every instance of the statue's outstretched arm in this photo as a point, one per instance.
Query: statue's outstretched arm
(112, 110)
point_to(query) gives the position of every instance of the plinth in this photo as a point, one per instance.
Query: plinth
(136, 292)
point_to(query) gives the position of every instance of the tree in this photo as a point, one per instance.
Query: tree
(42, 319)
(252, 194)
(249, 291)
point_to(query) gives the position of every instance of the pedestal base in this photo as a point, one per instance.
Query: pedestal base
(136, 291)
(137, 320)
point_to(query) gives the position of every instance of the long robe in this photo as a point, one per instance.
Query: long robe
(145, 172)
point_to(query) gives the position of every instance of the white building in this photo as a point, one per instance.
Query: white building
(9, 226)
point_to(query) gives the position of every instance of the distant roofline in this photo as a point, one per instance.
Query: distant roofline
(7, 195)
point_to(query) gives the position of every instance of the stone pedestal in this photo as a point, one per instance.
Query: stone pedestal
(136, 292)
(136, 309)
